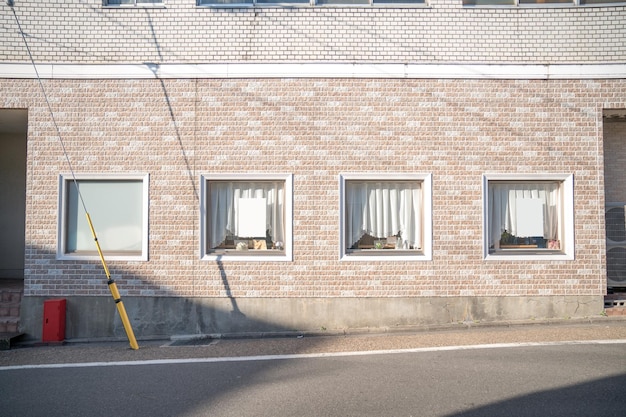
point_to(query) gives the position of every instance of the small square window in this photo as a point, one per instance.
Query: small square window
(118, 208)
(246, 217)
(529, 216)
(385, 216)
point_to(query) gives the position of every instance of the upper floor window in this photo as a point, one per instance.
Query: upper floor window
(238, 3)
(536, 2)
(529, 216)
(131, 2)
(385, 216)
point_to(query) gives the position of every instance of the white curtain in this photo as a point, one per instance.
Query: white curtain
(382, 209)
(224, 202)
(503, 207)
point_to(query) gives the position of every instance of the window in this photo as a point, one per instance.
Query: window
(118, 208)
(529, 216)
(537, 2)
(131, 2)
(238, 3)
(246, 217)
(385, 216)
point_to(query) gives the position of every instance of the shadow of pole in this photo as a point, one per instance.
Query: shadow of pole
(154, 68)
(235, 312)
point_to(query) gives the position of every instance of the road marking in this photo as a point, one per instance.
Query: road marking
(308, 355)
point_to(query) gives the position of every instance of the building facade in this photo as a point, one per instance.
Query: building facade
(288, 167)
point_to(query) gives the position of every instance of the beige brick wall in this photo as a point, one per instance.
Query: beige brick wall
(83, 31)
(316, 129)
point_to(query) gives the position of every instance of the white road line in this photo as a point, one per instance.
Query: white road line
(307, 355)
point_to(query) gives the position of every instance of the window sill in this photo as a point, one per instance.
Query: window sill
(107, 257)
(528, 255)
(384, 255)
(248, 256)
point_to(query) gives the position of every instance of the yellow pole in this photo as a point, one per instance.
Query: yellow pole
(114, 292)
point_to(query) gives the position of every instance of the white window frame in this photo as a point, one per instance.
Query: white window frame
(425, 254)
(566, 220)
(67, 180)
(207, 255)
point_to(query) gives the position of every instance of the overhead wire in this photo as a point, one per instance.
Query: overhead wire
(110, 281)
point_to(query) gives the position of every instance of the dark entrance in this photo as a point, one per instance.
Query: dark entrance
(13, 132)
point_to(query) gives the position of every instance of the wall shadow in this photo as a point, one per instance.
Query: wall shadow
(91, 312)
(602, 397)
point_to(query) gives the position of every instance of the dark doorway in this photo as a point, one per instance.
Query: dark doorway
(13, 133)
(614, 128)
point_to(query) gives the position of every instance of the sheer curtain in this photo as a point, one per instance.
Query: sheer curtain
(503, 207)
(224, 202)
(382, 209)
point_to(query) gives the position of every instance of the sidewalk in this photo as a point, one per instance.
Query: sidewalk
(602, 328)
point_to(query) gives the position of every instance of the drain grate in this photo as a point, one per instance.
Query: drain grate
(197, 341)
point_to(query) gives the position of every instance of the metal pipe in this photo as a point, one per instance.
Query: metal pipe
(114, 292)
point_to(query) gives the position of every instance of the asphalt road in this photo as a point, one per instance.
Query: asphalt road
(555, 379)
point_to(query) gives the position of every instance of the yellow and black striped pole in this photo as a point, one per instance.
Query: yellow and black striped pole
(114, 292)
(111, 283)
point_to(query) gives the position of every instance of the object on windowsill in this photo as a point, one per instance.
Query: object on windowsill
(379, 244)
(259, 244)
(278, 245)
(241, 245)
(554, 244)
(507, 239)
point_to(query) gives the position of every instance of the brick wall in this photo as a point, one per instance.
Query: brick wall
(85, 32)
(316, 129)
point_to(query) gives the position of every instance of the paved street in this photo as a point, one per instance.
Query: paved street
(576, 369)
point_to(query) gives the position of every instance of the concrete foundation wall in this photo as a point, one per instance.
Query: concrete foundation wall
(156, 317)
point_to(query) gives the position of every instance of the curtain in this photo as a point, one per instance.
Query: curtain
(503, 207)
(224, 201)
(382, 209)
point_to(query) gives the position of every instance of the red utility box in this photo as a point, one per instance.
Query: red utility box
(54, 320)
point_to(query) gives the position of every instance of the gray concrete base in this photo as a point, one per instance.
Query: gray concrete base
(154, 317)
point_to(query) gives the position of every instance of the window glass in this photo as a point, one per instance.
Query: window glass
(524, 216)
(132, 2)
(544, 1)
(247, 216)
(305, 2)
(489, 2)
(225, 2)
(529, 216)
(399, 1)
(281, 1)
(118, 210)
(516, 2)
(585, 2)
(348, 2)
(385, 216)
